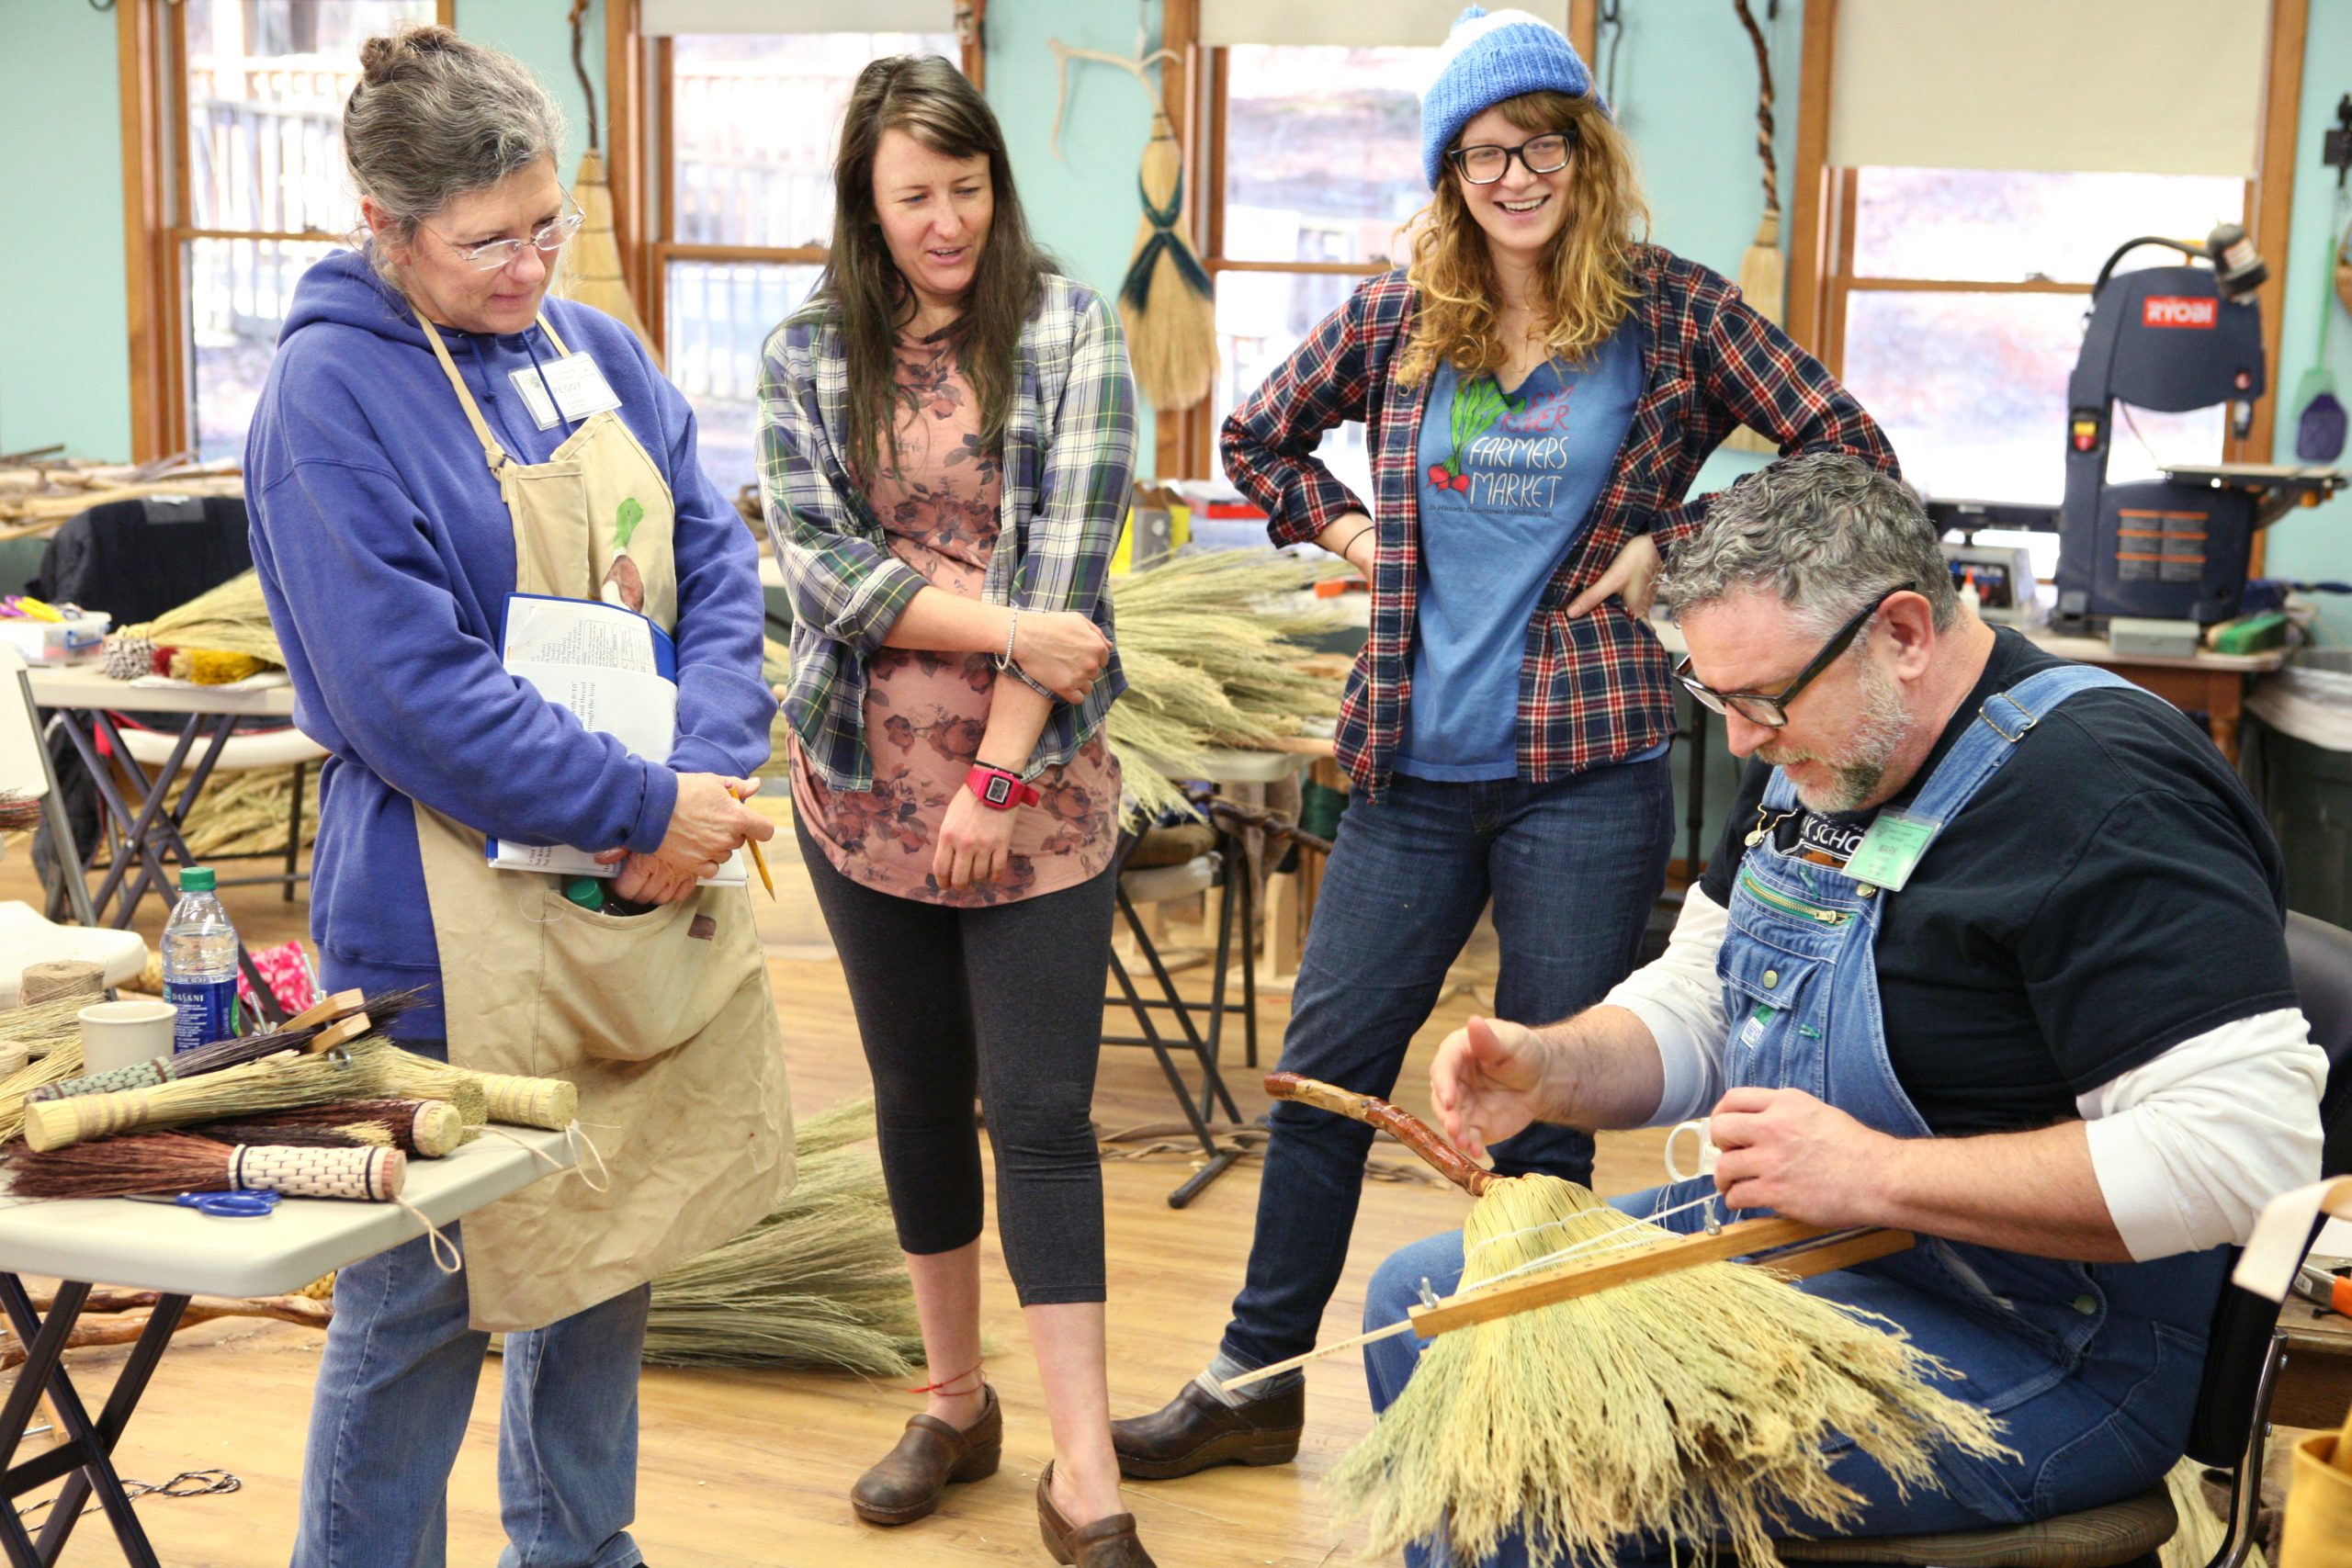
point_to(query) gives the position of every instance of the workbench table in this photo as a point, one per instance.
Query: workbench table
(86, 700)
(182, 1253)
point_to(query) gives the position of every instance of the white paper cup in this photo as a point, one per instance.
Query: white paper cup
(119, 1034)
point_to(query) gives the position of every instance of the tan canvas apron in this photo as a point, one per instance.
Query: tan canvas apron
(663, 1019)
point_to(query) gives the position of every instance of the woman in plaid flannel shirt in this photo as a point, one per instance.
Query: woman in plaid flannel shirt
(1538, 389)
(948, 442)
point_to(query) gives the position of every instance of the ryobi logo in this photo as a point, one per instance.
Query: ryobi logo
(2179, 311)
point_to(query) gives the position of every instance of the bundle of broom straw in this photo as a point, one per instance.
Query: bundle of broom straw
(231, 618)
(1687, 1405)
(163, 1163)
(1212, 657)
(18, 814)
(428, 1127)
(819, 1282)
(361, 1070)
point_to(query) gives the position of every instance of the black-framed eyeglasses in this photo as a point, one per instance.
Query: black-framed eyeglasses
(1485, 164)
(1772, 709)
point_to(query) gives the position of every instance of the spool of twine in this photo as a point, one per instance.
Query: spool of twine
(551, 1103)
(437, 1129)
(58, 977)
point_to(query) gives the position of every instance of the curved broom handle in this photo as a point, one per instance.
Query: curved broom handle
(1408, 1129)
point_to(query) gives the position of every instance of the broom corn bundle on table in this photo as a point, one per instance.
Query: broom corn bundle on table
(431, 1128)
(1690, 1398)
(361, 1070)
(167, 1164)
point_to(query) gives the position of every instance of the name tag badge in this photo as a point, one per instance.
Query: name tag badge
(581, 388)
(578, 388)
(1890, 850)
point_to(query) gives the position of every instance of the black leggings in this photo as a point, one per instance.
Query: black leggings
(1006, 1001)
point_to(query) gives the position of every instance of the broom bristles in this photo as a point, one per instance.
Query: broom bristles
(167, 1163)
(1689, 1406)
(428, 1127)
(279, 1083)
(550, 1103)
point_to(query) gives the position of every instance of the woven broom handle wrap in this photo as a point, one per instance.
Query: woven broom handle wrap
(551, 1103)
(54, 1123)
(437, 1129)
(1409, 1130)
(374, 1175)
(137, 1075)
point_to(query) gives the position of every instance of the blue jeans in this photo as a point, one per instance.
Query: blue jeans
(1572, 866)
(395, 1390)
(2108, 1432)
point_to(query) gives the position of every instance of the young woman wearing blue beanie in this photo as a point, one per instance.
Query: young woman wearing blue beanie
(1540, 387)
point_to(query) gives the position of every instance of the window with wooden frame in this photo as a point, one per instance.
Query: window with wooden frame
(234, 182)
(736, 170)
(1952, 300)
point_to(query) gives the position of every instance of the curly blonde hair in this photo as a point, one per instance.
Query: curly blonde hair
(1589, 287)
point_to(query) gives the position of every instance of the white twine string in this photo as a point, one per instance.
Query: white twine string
(576, 1138)
(1618, 1239)
(438, 1241)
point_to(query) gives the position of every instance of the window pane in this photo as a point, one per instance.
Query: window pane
(752, 124)
(1972, 390)
(1322, 149)
(719, 315)
(265, 84)
(2006, 226)
(238, 293)
(1261, 317)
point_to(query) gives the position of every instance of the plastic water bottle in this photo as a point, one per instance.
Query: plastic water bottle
(200, 964)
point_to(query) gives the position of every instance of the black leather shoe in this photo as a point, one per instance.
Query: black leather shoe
(1196, 1430)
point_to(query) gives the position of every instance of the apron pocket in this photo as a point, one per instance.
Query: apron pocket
(629, 987)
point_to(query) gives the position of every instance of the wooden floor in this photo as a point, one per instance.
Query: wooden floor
(740, 1468)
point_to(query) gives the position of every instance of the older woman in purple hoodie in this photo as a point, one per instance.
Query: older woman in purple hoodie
(437, 435)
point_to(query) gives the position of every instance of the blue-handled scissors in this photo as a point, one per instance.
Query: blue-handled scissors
(223, 1205)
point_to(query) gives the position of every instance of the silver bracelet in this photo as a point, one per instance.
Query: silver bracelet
(1012, 630)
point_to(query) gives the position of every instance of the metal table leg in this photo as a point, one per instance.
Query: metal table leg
(87, 1456)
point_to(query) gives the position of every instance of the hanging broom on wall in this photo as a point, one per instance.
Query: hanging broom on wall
(1683, 1406)
(1167, 303)
(590, 271)
(1762, 275)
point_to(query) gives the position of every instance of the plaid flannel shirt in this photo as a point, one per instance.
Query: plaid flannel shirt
(1068, 464)
(1594, 688)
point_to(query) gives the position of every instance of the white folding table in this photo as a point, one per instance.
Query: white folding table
(182, 1253)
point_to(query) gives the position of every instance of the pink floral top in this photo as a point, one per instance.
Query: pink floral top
(925, 712)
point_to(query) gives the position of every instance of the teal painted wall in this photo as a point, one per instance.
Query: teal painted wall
(64, 362)
(2316, 544)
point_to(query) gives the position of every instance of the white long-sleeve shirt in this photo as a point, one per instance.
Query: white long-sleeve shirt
(2186, 1147)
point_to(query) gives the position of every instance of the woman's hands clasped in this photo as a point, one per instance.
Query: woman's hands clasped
(706, 825)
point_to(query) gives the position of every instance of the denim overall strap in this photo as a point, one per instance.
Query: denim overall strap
(2005, 720)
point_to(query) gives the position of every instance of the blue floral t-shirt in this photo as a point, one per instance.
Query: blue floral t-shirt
(1507, 483)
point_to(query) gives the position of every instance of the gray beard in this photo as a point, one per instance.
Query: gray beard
(1878, 732)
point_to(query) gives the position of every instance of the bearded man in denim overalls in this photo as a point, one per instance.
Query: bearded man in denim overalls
(1991, 951)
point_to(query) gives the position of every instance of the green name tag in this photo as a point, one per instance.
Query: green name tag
(1891, 849)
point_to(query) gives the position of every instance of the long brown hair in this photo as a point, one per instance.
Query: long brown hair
(934, 103)
(1588, 285)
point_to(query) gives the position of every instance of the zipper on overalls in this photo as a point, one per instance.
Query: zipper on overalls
(1788, 906)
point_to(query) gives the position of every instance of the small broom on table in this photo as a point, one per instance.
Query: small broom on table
(428, 1127)
(363, 1070)
(1692, 1405)
(335, 1022)
(165, 1164)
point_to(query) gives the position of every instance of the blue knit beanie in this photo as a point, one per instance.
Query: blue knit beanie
(1488, 58)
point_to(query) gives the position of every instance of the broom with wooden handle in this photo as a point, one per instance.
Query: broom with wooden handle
(312, 1039)
(1695, 1405)
(1762, 272)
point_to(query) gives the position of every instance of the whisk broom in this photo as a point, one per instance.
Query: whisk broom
(1692, 1405)
(316, 1036)
(168, 1163)
(550, 1103)
(279, 1083)
(1166, 303)
(428, 1127)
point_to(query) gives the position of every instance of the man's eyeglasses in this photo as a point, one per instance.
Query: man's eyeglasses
(1772, 710)
(1485, 164)
(493, 254)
